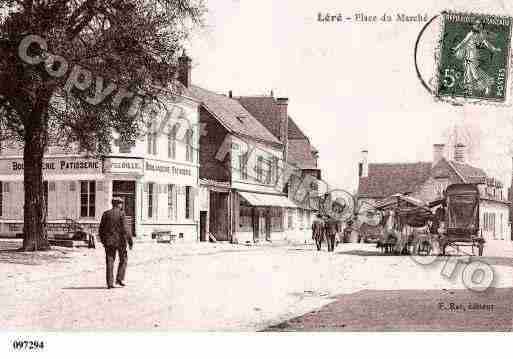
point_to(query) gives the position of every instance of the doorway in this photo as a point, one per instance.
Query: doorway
(203, 226)
(219, 216)
(126, 191)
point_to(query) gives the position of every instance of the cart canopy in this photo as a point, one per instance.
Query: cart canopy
(462, 214)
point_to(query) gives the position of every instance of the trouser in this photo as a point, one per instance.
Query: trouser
(331, 242)
(110, 256)
(318, 243)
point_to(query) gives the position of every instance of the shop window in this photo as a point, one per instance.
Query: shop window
(189, 154)
(87, 198)
(276, 219)
(245, 219)
(171, 142)
(189, 202)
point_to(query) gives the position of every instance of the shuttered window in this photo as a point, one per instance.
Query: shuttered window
(151, 199)
(171, 204)
(88, 199)
(189, 202)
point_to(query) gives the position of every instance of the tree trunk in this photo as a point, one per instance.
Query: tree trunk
(34, 223)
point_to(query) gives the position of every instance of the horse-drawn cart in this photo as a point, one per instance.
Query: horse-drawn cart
(405, 225)
(461, 219)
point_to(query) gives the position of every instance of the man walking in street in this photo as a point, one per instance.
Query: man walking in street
(332, 228)
(318, 231)
(114, 234)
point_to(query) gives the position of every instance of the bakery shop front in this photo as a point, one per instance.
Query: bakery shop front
(158, 195)
(74, 189)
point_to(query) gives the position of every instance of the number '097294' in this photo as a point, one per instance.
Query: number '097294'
(28, 344)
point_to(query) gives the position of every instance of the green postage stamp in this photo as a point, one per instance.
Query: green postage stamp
(474, 58)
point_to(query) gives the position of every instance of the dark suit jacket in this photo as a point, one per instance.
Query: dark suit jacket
(317, 229)
(114, 231)
(332, 227)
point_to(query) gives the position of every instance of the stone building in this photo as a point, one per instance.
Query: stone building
(240, 167)
(428, 180)
(301, 157)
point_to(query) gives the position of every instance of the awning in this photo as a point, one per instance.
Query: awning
(267, 200)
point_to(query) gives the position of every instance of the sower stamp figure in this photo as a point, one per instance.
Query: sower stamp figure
(318, 231)
(114, 234)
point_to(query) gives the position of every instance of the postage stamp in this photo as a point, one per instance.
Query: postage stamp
(474, 58)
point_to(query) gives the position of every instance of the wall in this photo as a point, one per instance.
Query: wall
(442, 175)
(241, 146)
(64, 184)
(210, 143)
(494, 210)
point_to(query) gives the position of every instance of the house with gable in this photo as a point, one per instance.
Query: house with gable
(242, 197)
(299, 154)
(428, 180)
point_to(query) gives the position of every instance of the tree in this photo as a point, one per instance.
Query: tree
(77, 70)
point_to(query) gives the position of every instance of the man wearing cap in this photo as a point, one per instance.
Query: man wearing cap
(114, 234)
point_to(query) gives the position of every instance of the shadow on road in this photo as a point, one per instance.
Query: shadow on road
(410, 310)
(362, 253)
(84, 288)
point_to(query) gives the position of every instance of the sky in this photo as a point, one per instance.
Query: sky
(352, 86)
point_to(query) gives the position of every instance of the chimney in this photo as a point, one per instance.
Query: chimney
(283, 119)
(184, 69)
(364, 168)
(438, 152)
(230, 94)
(459, 152)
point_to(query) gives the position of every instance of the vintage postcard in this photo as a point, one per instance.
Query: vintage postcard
(175, 167)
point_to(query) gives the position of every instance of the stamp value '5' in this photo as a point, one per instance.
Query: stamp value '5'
(474, 58)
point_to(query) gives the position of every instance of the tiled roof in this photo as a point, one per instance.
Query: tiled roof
(294, 131)
(469, 173)
(385, 179)
(300, 153)
(231, 114)
(265, 109)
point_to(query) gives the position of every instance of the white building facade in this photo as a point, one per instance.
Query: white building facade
(157, 178)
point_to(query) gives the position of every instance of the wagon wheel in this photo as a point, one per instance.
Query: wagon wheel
(428, 247)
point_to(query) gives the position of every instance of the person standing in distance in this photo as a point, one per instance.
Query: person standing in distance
(114, 235)
(318, 231)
